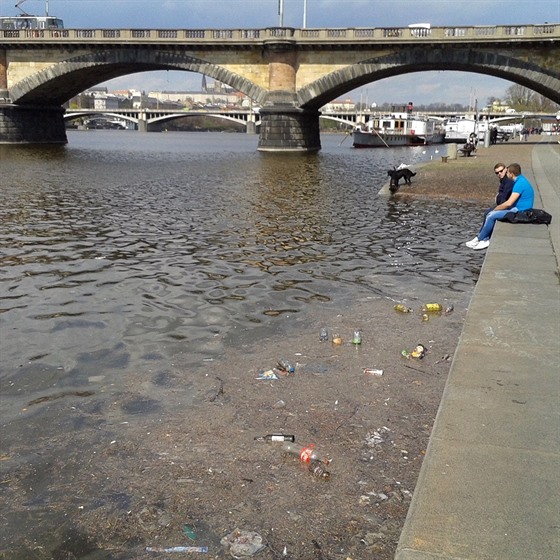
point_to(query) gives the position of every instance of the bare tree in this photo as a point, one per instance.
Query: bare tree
(518, 97)
(524, 99)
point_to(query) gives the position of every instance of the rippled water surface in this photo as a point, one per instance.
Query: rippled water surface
(127, 251)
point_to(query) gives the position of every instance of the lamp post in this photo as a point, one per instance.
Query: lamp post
(281, 12)
(304, 14)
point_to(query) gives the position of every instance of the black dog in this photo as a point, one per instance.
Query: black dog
(398, 174)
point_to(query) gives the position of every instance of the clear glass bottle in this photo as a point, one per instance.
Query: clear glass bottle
(323, 335)
(318, 470)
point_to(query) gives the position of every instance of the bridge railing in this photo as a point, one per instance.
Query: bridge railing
(311, 36)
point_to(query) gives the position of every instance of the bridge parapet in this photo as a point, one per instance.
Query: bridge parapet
(349, 36)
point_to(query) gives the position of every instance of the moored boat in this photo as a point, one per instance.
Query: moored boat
(400, 128)
(459, 129)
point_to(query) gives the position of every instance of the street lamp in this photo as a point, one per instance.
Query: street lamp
(281, 12)
(304, 14)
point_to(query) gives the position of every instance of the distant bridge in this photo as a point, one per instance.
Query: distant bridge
(291, 73)
(145, 119)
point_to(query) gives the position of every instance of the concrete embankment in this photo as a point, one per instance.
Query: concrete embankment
(489, 487)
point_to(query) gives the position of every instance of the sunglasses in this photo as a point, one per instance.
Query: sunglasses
(499, 171)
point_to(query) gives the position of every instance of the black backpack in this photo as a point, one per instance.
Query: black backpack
(532, 216)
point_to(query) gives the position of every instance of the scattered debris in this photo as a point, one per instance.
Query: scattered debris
(60, 396)
(268, 374)
(240, 543)
(372, 371)
(418, 353)
(378, 437)
(177, 549)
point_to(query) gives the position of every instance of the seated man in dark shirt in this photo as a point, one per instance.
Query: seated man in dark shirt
(521, 199)
(506, 183)
(504, 188)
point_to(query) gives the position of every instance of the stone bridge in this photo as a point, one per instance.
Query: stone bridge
(291, 73)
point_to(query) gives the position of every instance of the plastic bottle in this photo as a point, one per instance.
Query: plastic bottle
(432, 308)
(323, 335)
(402, 308)
(284, 365)
(449, 308)
(276, 437)
(357, 338)
(336, 339)
(305, 453)
(317, 469)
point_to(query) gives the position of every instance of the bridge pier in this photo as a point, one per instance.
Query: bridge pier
(251, 127)
(289, 129)
(23, 124)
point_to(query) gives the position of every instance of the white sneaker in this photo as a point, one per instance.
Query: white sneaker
(481, 245)
(472, 242)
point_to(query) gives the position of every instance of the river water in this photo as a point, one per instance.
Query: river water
(138, 270)
(126, 251)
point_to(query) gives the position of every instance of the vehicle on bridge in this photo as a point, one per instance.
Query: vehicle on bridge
(400, 128)
(27, 21)
(30, 22)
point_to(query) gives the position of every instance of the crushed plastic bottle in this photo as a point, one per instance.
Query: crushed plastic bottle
(284, 365)
(276, 437)
(336, 339)
(269, 374)
(401, 308)
(305, 453)
(449, 308)
(318, 470)
(323, 335)
(432, 308)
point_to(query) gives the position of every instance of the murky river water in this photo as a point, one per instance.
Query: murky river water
(128, 251)
(131, 264)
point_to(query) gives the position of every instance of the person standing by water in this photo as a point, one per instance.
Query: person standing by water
(521, 198)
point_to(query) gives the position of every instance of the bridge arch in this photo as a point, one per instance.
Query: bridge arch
(68, 78)
(466, 59)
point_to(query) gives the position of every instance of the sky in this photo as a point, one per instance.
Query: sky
(421, 88)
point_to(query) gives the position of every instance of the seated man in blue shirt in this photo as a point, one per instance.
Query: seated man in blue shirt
(522, 198)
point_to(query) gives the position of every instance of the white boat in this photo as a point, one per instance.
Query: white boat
(459, 129)
(400, 128)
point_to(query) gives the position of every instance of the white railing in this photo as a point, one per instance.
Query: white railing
(311, 36)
